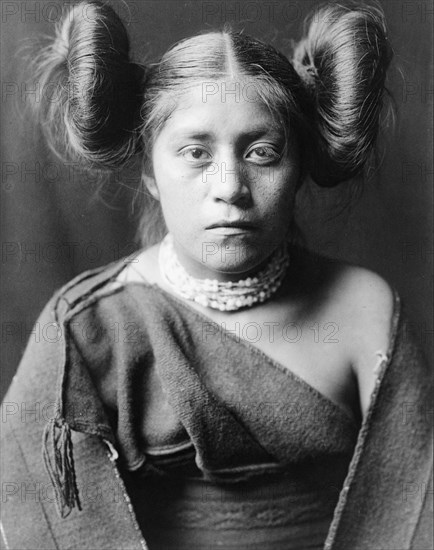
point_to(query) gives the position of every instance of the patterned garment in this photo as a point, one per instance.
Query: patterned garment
(134, 400)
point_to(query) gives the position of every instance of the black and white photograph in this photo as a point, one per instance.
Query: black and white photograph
(216, 275)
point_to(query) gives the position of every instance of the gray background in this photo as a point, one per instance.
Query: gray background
(54, 225)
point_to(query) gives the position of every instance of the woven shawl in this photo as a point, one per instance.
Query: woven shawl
(385, 502)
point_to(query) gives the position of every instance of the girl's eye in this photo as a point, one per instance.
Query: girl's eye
(195, 154)
(263, 154)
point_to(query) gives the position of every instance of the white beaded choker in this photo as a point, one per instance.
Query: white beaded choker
(225, 296)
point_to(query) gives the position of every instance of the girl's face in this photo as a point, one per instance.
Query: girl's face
(226, 181)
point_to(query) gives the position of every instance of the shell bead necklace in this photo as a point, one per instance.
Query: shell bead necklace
(225, 296)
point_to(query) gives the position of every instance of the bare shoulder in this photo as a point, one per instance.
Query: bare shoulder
(366, 306)
(362, 303)
(364, 296)
(356, 293)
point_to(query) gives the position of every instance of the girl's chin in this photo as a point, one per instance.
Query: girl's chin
(227, 261)
(231, 269)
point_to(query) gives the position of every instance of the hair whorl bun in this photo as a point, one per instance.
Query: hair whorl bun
(93, 111)
(343, 60)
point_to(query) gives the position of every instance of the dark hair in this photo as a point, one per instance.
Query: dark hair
(330, 93)
(344, 55)
(93, 93)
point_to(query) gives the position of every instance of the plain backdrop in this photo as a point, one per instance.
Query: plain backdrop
(54, 225)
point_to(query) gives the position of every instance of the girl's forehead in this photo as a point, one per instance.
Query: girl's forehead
(224, 104)
(224, 91)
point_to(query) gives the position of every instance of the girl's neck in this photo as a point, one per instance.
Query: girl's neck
(227, 295)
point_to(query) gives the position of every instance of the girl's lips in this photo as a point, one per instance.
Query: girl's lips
(230, 229)
(240, 223)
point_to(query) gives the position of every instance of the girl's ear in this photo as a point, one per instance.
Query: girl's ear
(151, 186)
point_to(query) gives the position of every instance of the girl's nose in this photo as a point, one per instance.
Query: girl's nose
(230, 182)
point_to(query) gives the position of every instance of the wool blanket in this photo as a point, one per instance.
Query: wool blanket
(59, 444)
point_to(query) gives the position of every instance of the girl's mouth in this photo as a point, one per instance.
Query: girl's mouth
(231, 227)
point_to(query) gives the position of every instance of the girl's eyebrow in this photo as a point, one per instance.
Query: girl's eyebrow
(201, 136)
(255, 133)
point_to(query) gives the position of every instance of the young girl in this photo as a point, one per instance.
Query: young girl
(188, 401)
